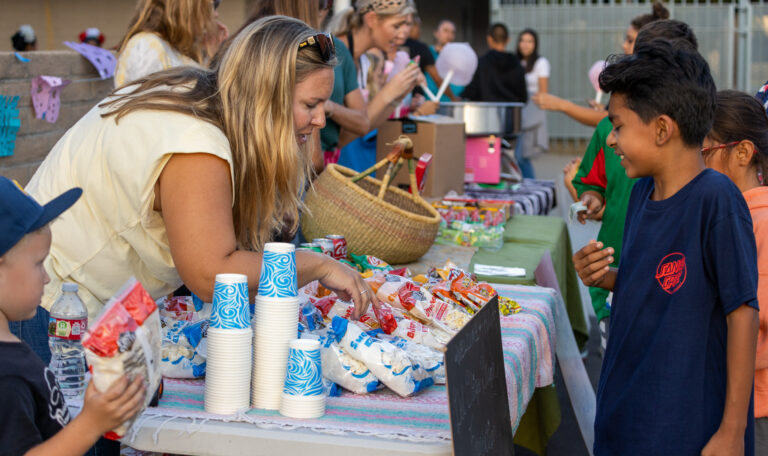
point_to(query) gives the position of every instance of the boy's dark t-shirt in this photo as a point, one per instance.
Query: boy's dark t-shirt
(499, 77)
(32, 408)
(688, 261)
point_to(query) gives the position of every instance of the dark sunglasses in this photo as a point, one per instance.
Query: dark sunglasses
(324, 43)
(216, 4)
(326, 4)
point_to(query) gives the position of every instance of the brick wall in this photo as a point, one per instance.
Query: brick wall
(36, 137)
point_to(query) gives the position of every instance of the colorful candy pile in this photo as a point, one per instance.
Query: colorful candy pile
(471, 226)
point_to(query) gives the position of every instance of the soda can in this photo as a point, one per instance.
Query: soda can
(325, 244)
(310, 246)
(339, 246)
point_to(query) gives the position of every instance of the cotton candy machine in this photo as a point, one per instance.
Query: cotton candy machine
(485, 118)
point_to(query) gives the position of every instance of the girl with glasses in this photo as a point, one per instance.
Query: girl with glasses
(737, 146)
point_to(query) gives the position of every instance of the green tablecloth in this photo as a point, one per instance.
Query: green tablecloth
(526, 239)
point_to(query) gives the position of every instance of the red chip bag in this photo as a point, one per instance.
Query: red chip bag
(103, 337)
(137, 302)
(406, 295)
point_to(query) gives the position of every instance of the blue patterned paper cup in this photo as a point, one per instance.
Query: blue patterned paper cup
(230, 302)
(278, 271)
(304, 375)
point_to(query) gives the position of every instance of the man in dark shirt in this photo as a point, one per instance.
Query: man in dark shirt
(499, 75)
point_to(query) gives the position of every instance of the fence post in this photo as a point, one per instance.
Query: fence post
(743, 45)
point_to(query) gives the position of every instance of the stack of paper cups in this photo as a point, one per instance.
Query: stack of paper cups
(275, 324)
(228, 366)
(303, 395)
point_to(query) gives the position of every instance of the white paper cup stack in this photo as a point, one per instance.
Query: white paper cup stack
(303, 395)
(275, 324)
(229, 354)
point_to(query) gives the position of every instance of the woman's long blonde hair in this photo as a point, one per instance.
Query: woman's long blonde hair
(249, 96)
(351, 18)
(182, 23)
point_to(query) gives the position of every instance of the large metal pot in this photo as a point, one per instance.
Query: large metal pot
(485, 118)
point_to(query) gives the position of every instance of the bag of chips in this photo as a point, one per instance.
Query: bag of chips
(125, 340)
(345, 370)
(388, 363)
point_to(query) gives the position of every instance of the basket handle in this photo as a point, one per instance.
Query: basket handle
(404, 147)
(401, 144)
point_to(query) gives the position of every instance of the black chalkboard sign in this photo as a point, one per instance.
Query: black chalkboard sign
(477, 389)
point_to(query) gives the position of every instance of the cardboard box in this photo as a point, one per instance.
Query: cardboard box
(441, 136)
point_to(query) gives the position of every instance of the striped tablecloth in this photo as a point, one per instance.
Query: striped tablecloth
(528, 344)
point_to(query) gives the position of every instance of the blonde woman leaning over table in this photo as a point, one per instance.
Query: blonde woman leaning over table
(165, 34)
(186, 173)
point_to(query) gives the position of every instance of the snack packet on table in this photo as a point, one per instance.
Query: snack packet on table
(389, 288)
(345, 370)
(508, 306)
(430, 359)
(426, 307)
(388, 363)
(181, 308)
(125, 340)
(178, 361)
(344, 310)
(414, 331)
(368, 262)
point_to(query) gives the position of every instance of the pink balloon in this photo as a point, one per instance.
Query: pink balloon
(594, 74)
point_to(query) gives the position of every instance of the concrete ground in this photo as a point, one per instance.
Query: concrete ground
(567, 440)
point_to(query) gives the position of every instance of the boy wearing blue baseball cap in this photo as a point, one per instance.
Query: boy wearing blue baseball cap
(34, 412)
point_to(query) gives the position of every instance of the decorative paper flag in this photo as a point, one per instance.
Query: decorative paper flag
(102, 59)
(45, 96)
(9, 124)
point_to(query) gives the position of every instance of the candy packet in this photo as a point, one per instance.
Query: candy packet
(388, 363)
(125, 339)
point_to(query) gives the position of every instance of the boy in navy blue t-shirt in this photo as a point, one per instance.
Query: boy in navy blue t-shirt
(678, 370)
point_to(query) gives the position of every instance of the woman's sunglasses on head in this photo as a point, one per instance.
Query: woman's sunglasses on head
(323, 42)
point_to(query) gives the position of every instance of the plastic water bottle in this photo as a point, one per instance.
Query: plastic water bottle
(69, 319)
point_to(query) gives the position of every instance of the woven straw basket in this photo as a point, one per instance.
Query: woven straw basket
(398, 230)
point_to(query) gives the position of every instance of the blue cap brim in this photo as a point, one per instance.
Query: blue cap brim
(55, 207)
